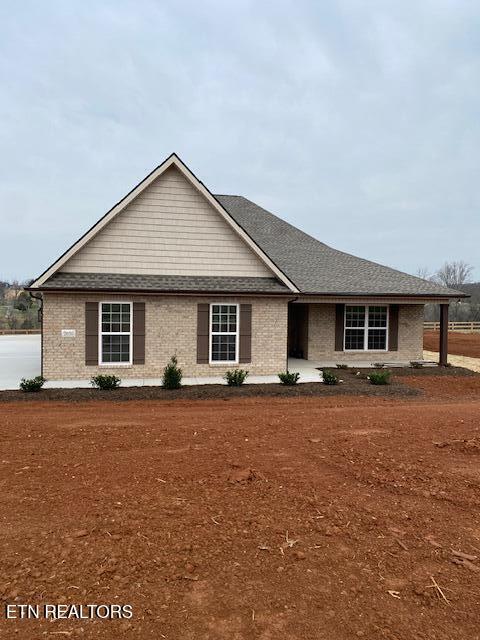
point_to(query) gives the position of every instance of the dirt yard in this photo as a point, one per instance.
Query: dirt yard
(459, 344)
(294, 518)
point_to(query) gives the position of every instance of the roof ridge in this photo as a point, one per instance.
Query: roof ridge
(228, 195)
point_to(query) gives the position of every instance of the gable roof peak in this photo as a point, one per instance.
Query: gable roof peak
(172, 160)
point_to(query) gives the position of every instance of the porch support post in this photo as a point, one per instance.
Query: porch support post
(443, 335)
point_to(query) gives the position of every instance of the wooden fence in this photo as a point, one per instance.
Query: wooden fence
(18, 332)
(453, 326)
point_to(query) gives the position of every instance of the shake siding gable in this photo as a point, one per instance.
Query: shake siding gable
(169, 229)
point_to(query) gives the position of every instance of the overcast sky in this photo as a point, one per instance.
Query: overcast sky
(359, 122)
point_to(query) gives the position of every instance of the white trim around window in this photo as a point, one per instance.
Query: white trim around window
(366, 327)
(229, 332)
(120, 332)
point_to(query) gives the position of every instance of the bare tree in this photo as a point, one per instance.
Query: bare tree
(16, 286)
(424, 273)
(454, 274)
(12, 319)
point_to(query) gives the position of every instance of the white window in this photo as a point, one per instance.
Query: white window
(115, 334)
(366, 328)
(223, 333)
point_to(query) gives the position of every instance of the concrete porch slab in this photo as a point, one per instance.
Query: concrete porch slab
(309, 366)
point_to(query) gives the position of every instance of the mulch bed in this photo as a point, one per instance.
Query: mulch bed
(422, 372)
(352, 384)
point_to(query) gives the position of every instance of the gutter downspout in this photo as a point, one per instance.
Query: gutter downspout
(40, 312)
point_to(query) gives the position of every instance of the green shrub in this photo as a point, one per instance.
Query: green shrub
(32, 385)
(342, 365)
(289, 378)
(236, 377)
(379, 377)
(329, 377)
(172, 375)
(105, 382)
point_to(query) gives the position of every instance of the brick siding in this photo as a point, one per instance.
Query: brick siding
(321, 337)
(171, 327)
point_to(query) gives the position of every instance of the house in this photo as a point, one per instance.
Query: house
(221, 283)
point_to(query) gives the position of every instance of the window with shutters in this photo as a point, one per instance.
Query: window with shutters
(224, 333)
(115, 333)
(366, 328)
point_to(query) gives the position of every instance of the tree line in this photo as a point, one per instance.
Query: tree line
(455, 275)
(18, 310)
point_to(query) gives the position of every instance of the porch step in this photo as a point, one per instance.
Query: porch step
(425, 363)
(392, 365)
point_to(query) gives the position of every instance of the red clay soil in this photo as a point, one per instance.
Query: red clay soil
(459, 344)
(251, 518)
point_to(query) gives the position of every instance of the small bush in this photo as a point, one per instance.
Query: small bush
(172, 375)
(379, 377)
(236, 377)
(329, 377)
(105, 382)
(342, 365)
(32, 385)
(289, 378)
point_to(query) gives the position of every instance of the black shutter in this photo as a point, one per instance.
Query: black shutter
(245, 333)
(393, 328)
(138, 333)
(91, 333)
(339, 326)
(203, 319)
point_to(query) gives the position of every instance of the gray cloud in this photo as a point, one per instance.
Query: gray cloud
(356, 121)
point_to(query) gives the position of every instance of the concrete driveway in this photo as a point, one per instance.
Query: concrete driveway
(19, 358)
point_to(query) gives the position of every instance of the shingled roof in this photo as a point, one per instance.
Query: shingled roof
(300, 263)
(316, 268)
(61, 281)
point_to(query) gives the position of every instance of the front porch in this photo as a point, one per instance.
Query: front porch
(359, 332)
